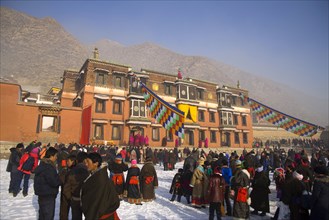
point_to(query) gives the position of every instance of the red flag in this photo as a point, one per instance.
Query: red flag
(85, 123)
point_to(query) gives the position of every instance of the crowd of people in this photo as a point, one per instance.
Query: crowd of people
(93, 179)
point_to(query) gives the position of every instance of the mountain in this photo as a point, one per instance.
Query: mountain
(35, 52)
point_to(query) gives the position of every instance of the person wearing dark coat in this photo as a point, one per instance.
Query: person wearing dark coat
(176, 186)
(186, 179)
(148, 180)
(99, 199)
(46, 184)
(116, 169)
(132, 184)
(305, 168)
(165, 155)
(259, 194)
(216, 193)
(13, 163)
(294, 190)
(172, 160)
(191, 161)
(320, 195)
(73, 184)
(240, 181)
(65, 203)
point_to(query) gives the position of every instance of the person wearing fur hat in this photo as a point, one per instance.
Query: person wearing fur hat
(116, 172)
(148, 180)
(294, 191)
(199, 182)
(132, 184)
(259, 194)
(320, 194)
(239, 190)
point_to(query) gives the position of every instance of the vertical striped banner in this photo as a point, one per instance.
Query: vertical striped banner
(171, 118)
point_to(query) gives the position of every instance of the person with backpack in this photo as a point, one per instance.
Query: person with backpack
(27, 164)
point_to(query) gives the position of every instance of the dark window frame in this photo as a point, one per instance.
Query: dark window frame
(167, 89)
(213, 138)
(201, 116)
(103, 102)
(245, 138)
(120, 107)
(244, 120)
(120, 132)
(236, 138)
(212, 117)
(101, 78)
(158, 134)
(102, 132)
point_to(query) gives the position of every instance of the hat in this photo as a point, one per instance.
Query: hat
(133, 162)
(259, 169)
(321, 170)
(20, 145)
(238, 163)
(118, 157)
(201, 161)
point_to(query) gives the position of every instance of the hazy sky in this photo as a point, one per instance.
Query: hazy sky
(286, 41)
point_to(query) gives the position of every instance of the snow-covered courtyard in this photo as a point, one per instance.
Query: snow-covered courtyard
(27, 207)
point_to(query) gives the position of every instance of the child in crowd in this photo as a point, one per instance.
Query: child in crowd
(176, 186)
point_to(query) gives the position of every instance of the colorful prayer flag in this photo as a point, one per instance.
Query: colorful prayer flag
(287, 122)
(171, 118)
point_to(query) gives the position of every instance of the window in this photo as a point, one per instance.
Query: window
(137, 108)
(200, 94)
(134, 87)
(101, 78)
(226, 118)
(212, 116)
(116, 132)
(201, 115)
(170, 136)
(235, 119)
(233, 100)
(155, 134)
(202, 135)
(49, 123)
(117, 107)
(100, 105)
(118, 81)
(183, 92)
(245, 138)
(236, 138)
(192, 93)
(98, 132)
(213, 137)
(244, 120)
(168, 89)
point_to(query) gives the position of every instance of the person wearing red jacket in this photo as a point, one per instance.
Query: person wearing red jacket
(24, 173)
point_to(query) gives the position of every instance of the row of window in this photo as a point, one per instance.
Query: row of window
(117, 134)
(226, 119)
(137, 108)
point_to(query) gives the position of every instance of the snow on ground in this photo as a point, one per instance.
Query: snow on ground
(27, 207)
